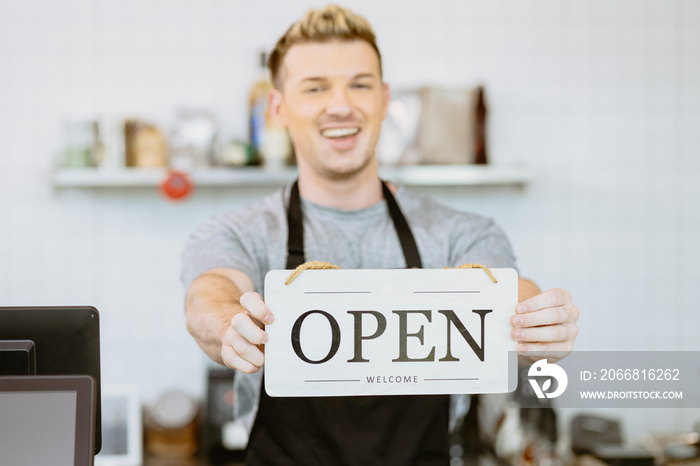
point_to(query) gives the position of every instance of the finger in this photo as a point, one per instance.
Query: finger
(234, 361)
(550, 316)
(250, 352)
(550, 298)
(254, 304)
(545, 334)
(243, 324)
(549, 350)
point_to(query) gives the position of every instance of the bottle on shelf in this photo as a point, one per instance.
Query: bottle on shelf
(480, 156)
(269, 141)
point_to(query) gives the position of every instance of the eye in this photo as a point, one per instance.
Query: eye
(315, 89)
(361, 86)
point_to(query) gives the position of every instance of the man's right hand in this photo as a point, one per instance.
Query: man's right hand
(242, 343)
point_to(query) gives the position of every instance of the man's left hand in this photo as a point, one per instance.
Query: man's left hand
(545, 323)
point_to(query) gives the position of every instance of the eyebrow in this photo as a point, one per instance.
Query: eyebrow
(314, 79)
(364, 75)
(323, 79)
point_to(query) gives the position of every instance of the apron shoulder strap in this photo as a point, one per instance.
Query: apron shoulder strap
(295, 240)
(408, 242)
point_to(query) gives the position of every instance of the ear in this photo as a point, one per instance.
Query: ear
(275, 105)
(387, 98)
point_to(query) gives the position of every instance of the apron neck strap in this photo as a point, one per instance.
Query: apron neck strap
(295, 240)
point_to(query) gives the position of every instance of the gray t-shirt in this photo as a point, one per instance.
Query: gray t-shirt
(253, 239)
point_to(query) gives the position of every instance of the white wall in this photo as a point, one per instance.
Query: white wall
(601, 97)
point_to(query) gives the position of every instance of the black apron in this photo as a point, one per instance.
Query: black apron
(363, 430)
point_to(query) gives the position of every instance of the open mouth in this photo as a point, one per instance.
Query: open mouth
(335, 133)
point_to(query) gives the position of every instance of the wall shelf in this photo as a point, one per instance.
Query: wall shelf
(415, 175)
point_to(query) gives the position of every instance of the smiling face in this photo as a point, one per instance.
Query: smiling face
(332, 100)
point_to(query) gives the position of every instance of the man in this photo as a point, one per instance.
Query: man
(330, 96)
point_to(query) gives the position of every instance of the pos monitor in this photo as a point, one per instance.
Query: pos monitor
(52, 341)
(47, 420)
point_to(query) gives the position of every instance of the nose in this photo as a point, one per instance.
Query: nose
(339, 103)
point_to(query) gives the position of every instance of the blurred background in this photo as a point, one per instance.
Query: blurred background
(599, 99)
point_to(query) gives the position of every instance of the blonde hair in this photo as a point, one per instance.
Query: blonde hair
(323, 25)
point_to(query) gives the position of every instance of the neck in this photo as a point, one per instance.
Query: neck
(354, 192)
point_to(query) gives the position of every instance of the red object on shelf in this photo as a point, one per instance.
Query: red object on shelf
(176, 186)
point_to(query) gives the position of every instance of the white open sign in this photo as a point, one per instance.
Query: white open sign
(389, 332)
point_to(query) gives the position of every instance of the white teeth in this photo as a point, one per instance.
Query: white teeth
(339, 132)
